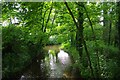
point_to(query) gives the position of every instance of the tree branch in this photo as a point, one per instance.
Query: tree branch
(71, 14)
(94, 37)
(48, 17)
(43, 19)
(87, 53)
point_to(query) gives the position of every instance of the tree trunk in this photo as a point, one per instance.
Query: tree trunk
(79, 27)
(79, 32)
(118, 26)
(88, 56)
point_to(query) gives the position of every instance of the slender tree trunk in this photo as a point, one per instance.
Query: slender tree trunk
(88, 56)
(79, 32)
(118, 24)
(98, 70)
(79, 26)
(48, 18)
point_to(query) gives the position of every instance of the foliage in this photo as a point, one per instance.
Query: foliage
(28, 27)
(18, 48)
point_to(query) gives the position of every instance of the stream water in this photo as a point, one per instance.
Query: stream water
(52, 67)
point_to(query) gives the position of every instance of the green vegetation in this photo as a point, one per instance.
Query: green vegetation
(89, 32)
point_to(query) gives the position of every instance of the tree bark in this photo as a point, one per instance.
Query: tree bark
(118, 24)
(94, 38)
(79, 32)
(79, 26)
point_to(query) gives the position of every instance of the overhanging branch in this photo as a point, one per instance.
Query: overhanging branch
(71, 14)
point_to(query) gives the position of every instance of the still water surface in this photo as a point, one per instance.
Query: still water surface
(50, 67)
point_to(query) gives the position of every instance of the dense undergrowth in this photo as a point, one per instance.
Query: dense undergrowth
(20, 46)
(108, 60)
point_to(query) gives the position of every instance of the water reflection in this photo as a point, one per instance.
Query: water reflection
(64, 58)
(52, 66)
(22, 77)
(57, 69)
